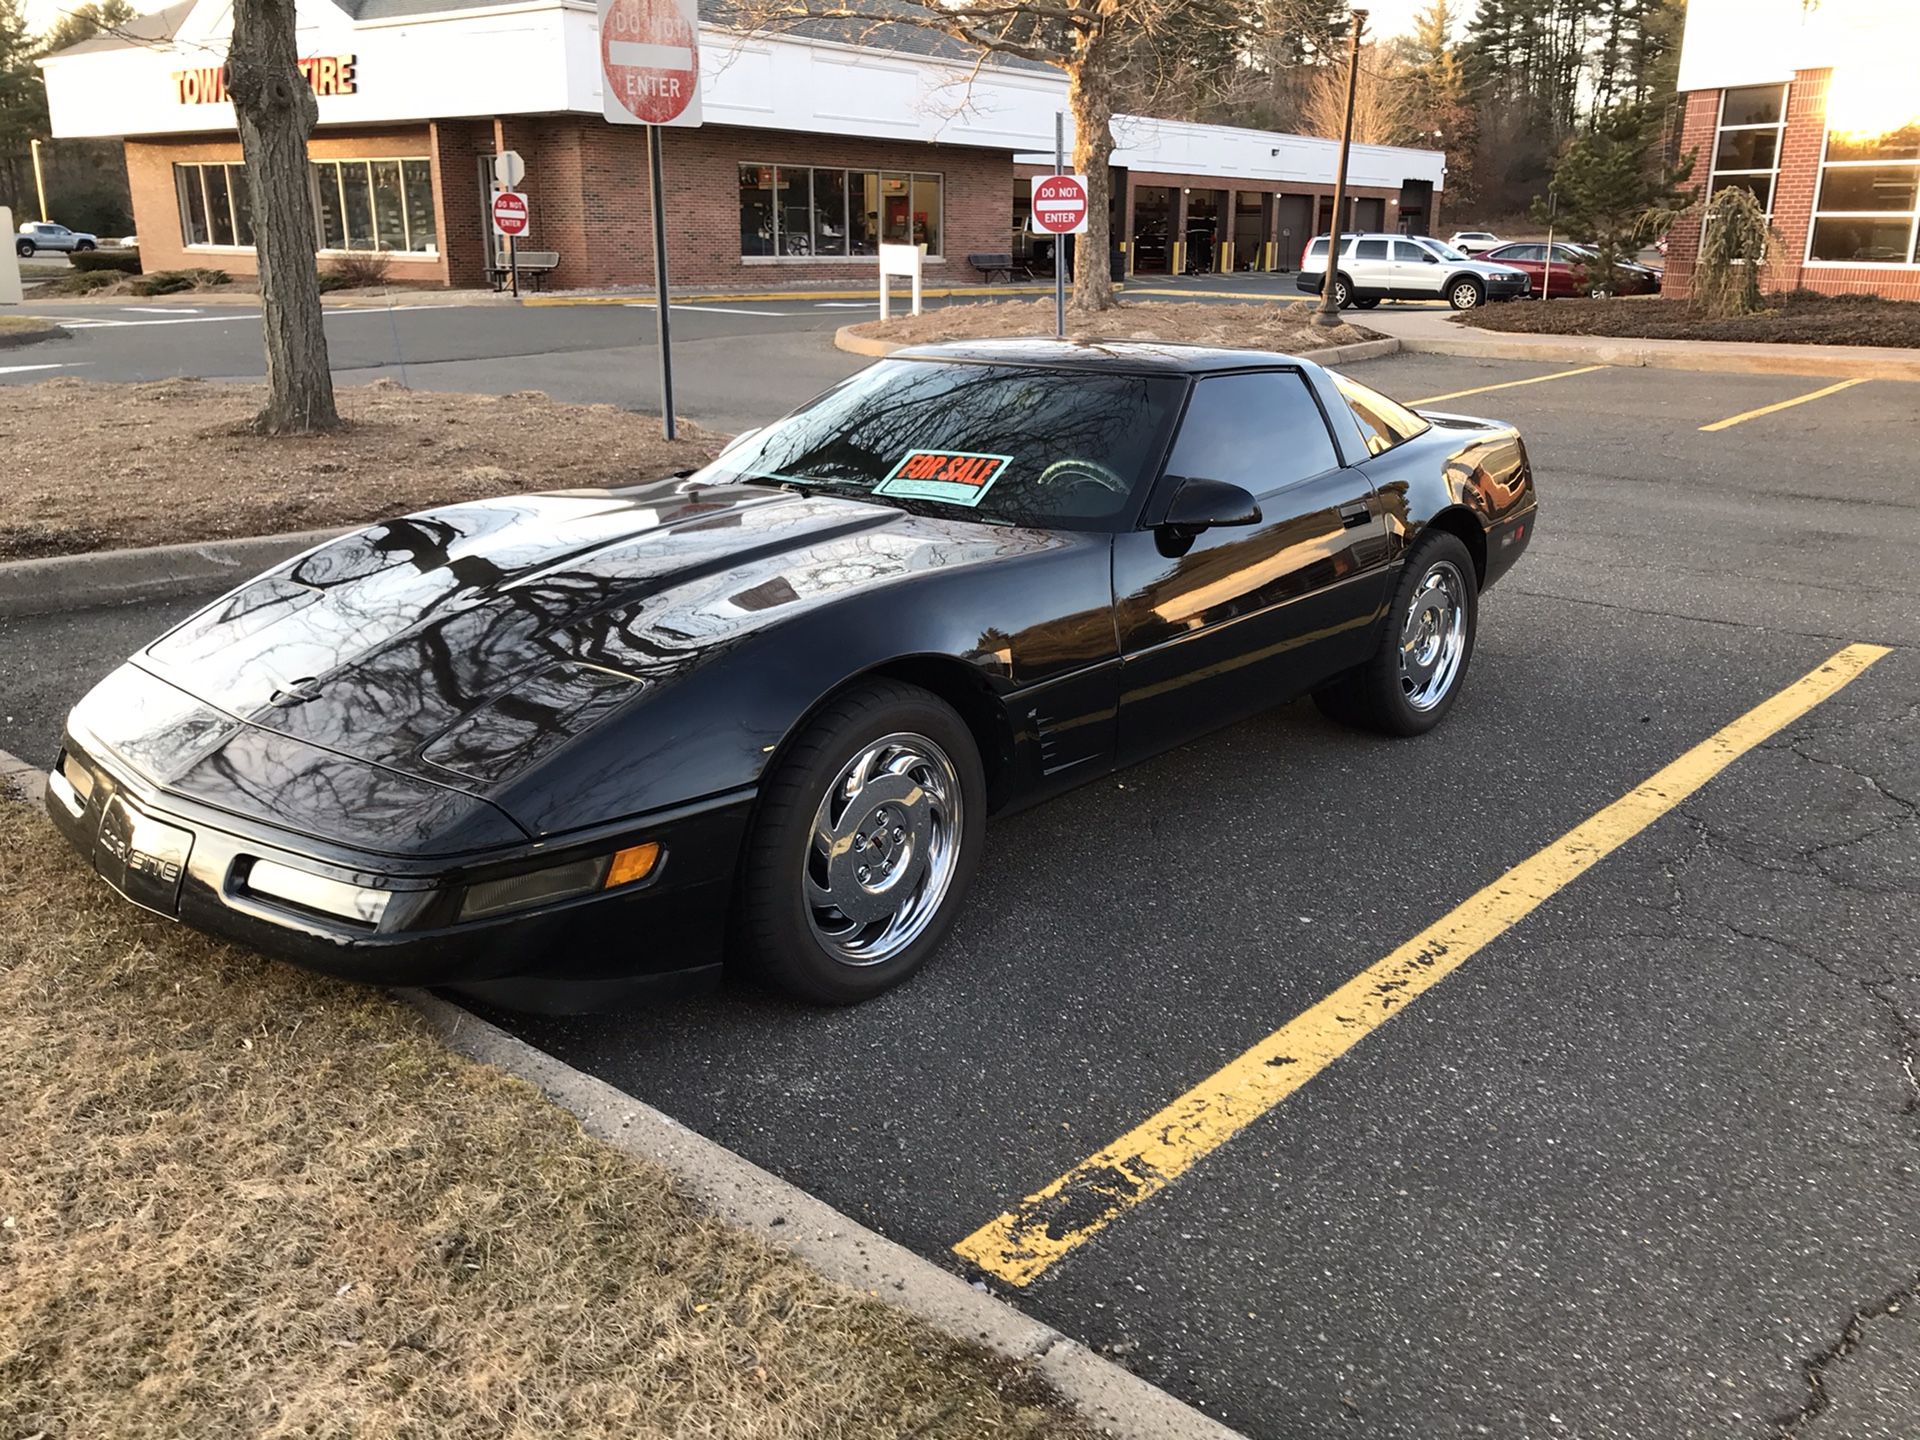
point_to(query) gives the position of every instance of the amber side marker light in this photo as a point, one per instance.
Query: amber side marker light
(636, 862)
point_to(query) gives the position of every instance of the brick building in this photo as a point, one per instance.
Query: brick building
(813, 152)
(1816, 110)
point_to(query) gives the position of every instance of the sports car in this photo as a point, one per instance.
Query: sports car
(554, 748)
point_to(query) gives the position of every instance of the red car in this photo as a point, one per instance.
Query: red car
(1567, 274)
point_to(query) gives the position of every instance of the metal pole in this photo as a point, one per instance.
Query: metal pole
(1328, 313)
(513, 264)
(1059, 241)
(1546, 284)
(40, 183)
(657, 183)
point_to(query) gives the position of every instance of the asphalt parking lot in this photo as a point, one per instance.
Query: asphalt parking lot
(1644, 1165)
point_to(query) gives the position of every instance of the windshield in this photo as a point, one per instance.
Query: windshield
(1003, 444)
(1442, 249)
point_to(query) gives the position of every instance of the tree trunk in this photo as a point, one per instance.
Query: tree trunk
(1090, 100)
(277, 112)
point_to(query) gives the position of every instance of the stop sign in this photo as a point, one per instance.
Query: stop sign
(509, 213)
(1059, 204)
(650, 61)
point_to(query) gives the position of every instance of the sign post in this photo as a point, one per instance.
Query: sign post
(510, 219)
(1060, 209)
(901, 260)
(650, 75)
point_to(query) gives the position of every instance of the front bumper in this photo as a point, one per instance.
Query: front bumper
(1508, 287)
(191, 862)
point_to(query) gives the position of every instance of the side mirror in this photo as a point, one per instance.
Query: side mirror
(1201, 504)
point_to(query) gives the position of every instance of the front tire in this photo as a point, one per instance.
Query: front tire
(1342, 293)
(1465, 294)
(868, 835)
(1411, 682)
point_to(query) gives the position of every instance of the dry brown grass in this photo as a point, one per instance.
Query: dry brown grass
(238, 1201)
(1281, 327)
(100, 467)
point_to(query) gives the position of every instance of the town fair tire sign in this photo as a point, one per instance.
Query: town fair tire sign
(650, 62)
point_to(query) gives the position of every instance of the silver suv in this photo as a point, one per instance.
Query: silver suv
(1376, 267)
(39, 235)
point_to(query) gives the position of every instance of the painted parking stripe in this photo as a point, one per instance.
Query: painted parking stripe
(709, 309)
(1021, 1244)
(1506, 385)
(23, 369)
(1747, 415)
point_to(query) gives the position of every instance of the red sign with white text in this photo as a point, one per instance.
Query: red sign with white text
(650, 62)
(1059, 204)
(509, 213)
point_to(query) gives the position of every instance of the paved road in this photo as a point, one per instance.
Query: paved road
(725, 351)
(1631, 1172)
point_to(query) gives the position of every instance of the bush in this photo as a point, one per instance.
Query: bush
(84, 282)
(331, 280)
(172, 282)
(361, 270)
(125, 262)
(1735, 242)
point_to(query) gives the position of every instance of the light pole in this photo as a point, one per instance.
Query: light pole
(1328, 313)
(39, 182)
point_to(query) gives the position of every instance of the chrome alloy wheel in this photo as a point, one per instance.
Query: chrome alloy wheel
(884, 848)
(1433, 636)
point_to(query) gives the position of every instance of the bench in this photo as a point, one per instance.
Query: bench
(534, 265)
(1005, 266)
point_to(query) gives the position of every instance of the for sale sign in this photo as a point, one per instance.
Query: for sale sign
(650, 62)
(1060, 204)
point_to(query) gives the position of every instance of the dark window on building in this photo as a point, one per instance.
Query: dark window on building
(1746, 150)
(1260, 431)
(1868, 212)
(798, 211)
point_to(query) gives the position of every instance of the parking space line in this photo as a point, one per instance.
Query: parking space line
(1019, 1245)
(1746, 415)
(1507, 385)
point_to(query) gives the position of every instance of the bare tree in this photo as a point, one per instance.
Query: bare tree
(277, 111)
(1383, 105)
(1090, 41)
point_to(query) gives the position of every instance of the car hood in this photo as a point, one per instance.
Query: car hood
(463, 646)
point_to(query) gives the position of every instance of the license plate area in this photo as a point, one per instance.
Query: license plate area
(143, 858)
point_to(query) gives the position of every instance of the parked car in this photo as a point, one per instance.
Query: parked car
(546, 747)
(1574, 270)
(1376, 267)
(38, 235)
(1474, 242)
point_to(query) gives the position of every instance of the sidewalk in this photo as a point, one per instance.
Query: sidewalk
(1434, 332)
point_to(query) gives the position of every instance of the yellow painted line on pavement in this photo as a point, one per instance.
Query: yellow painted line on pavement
(1278, 299)
(1747, 415)
(935, 292)
(1507, 385)
(1021, 1244)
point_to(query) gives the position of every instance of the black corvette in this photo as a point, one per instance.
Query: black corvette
(548, 747)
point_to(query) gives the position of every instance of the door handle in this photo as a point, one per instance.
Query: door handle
(1355, 515)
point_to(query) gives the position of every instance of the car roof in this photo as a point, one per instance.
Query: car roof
(1119, 356)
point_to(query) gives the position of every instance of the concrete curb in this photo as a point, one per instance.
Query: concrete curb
(842, 1249)
(14, 339)
(1716, 356)
(845, 339)
(161, 572)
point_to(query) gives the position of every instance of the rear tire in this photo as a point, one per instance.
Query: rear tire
(1368, 303)
(889, 779)
(85, 245)
(24, 249)
(1411, 682)
(1465, 294)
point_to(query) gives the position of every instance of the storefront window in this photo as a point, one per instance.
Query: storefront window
(796, 211)
(328, 214)
(242, 194)
(829, 212)
(423, 229)
(358, 196)
(1869, 207)
(1746, 150)
(219, 206)
(375, 204)
(193, 204)
(389, 205)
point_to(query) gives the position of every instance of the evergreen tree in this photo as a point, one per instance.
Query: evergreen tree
(1608, 181)
(23, 106)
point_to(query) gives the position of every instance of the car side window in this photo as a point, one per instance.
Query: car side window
(1371, 250)
(1261, 431)
(1383, 423)
(1567, 257)
(1408, 253)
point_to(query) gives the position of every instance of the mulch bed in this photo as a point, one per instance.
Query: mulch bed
(1283, 328)
(1797, 318)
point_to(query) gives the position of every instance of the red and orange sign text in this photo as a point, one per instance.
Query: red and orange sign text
(324, 74)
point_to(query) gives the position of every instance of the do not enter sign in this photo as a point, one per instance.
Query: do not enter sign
(509, 213)
(1060, 204)
(650, 61)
